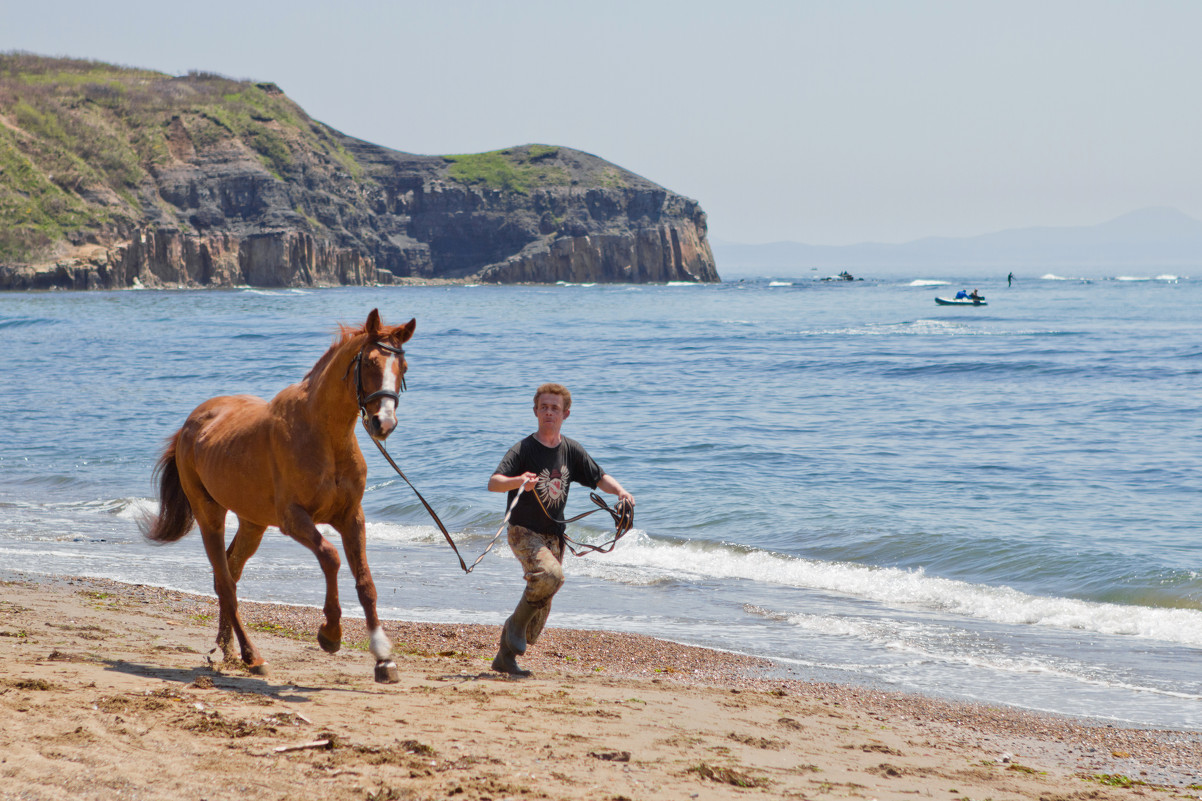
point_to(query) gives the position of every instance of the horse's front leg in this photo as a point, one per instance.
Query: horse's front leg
(242, 548)
(299, 525)
(354, 544)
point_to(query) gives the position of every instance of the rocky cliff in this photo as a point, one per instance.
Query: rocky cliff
(112, 177)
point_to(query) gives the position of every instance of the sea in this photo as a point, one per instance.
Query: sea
(998, 504)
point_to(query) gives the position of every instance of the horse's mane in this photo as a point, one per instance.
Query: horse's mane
(344, 335)
(347, 332)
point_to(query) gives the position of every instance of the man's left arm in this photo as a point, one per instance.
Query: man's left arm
(610, 484)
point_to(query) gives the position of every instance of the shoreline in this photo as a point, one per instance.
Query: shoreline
(97, 672)
(396, 282)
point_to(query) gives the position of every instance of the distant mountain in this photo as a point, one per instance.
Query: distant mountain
(1149, 239)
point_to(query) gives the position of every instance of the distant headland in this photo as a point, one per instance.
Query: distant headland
(114, 177)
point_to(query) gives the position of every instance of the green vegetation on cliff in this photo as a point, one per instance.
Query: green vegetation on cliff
(512, 170)
(80, 139)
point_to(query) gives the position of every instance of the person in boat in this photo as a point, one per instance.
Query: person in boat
(975, 296)
(543, 464)
(962, 295)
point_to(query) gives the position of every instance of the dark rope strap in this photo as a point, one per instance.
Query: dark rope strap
(441, 527)
(622, 513)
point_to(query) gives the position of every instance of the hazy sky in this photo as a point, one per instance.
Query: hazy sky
(820, 122)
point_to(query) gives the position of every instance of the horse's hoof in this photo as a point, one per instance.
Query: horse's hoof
(387, 673)
(258, 670)
(328, 645)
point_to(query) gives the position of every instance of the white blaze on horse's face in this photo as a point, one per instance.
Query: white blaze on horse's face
(378, 381)
(383, 422)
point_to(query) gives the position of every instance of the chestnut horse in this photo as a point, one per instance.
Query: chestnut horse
(292, 463)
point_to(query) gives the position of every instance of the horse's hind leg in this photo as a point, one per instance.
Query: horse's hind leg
(212, 531)
(242, 548)
(354, 544)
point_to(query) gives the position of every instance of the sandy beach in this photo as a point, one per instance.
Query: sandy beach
(110, 691)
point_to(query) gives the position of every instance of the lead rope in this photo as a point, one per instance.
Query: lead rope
(622, 514)
(441, 527)
(363, 401)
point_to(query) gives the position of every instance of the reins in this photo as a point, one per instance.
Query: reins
(441, 527)
(622, 514)
(363, 400)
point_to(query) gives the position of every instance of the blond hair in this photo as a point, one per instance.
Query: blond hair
(554, 389)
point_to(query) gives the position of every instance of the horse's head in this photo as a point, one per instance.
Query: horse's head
(380, 373)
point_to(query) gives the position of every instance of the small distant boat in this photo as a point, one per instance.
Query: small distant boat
(959, 302)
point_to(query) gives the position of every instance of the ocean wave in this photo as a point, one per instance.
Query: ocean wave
(924, 641)
(927, 282)
(689, 561)
(1014, 370)
(124, 508)
(24, 322)
(925, 326)
(404, 534)
(1054, 277)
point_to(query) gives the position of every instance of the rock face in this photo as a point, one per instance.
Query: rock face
(283, 200)
(165, 258)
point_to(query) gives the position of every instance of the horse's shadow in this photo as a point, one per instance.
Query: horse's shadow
(223, 681)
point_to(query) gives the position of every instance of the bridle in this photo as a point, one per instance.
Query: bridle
(357, 364)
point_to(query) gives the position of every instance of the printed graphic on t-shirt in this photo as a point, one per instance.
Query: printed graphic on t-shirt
(552, 486)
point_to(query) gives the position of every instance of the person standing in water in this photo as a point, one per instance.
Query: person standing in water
(540, 468)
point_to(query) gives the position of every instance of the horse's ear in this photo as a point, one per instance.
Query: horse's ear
(404, 332)
(372, 326)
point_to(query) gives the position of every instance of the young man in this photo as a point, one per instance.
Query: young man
(544, 464)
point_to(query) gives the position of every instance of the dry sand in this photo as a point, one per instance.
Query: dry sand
(107, 691)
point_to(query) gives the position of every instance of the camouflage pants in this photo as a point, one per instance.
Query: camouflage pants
(541, 556)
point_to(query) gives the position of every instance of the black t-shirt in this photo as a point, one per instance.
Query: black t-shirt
(555, 468)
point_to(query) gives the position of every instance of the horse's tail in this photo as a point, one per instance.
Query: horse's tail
(175, 518)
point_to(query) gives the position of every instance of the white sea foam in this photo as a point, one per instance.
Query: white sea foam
(925, 641)
(927, 282)
(134, 508)
(780, 283)
(921, 326)
(398, 533)
(644, 560)
(1171, 279)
